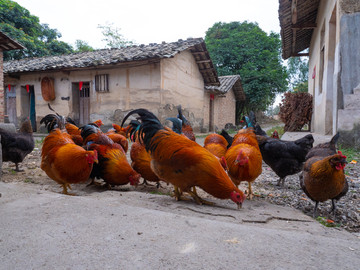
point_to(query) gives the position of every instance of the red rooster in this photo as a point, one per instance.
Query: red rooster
(216, 144)
(64, 161)
(113, 166)
(244, 158)
(183, 162)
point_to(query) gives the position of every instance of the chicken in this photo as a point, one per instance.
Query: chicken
(17, 145)
(141, 158)
(64, 161)
(113, 166)
(216, 144)
(285, 157)
(227, 137)
(186, 127)
(323, 175)
(275, 134)
(122, 131)
(120, 139)
(183, 162)
(244, 158)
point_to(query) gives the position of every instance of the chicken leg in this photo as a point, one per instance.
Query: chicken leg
(197, 199)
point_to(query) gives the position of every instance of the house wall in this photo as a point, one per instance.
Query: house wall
(182, 84)
(225, 110)
(158, 86)
(129, 88)
(341, 69)
(323, 86)
(2, 101)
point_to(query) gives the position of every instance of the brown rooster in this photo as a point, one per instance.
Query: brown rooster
(113, 166)
(64, 161)
(244, 158)
(323, 174)
(183, 162)
(216, 144)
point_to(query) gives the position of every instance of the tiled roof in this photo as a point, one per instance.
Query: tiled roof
(107, 57)
(226, 84)
(297, 22)
(8, 44)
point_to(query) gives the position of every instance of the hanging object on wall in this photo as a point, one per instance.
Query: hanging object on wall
(27, 88)
(47, 89)
(80, 85)
(211, 96)
(9, 86)
(314, 73)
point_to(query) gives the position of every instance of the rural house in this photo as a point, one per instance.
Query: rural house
(106, 84)
(6, 44)
(329, 30)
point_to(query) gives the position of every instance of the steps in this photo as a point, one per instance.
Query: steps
(350, 115)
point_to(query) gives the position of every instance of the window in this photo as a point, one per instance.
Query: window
(102, 83)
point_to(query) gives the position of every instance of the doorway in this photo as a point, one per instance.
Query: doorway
(11, 104)
(28, 104)
(81, 102)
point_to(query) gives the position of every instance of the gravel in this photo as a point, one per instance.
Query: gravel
(347, 214)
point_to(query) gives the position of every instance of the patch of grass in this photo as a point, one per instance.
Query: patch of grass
(39, 142)
(350, 153)
(28, 180)
(327, 222)
(159, 193)
(279, 129)
(13, 172)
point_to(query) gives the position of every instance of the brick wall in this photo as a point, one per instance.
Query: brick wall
(2, 101)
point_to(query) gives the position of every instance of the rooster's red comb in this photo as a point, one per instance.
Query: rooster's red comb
(341, 154)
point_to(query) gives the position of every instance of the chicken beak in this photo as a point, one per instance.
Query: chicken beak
(239, 206)
(96, 161)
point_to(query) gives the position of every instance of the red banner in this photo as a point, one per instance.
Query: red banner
(27, 88)
(80, 85)
(212, 97)
(9, 86)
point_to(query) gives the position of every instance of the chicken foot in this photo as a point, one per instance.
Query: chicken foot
(178, 194)
(65, 191)
(17, 168)
(197, 199)
(281, 182)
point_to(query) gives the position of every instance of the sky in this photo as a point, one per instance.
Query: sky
(148, 21)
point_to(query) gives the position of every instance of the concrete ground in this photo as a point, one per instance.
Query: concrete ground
(318, 138)
(42, 229)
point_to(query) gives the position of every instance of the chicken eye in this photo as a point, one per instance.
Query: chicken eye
(238, 196)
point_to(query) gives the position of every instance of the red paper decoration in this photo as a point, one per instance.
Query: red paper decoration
(27, 88)
(80, 85)
(211, 96)
(9, 86)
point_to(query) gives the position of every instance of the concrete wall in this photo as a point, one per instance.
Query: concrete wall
(182, 84)
(225, 110)
(324, 86)
(2, 100)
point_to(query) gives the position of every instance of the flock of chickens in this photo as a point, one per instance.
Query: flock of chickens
(158, 153)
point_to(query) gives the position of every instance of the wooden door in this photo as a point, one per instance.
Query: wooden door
(32, 108)
(84, 104)
(11, 105)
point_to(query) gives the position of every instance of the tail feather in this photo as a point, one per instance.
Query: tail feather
(227, 137)
(177, 124)
(52, 121)
(149, 126)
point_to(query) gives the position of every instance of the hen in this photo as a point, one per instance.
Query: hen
(285, 157)
(64, 161)
(186, 127)
(216, 144)
(244, 158)
(120, 130)
(16, 146)
(113, 166)
(182, 162)
(323, 175)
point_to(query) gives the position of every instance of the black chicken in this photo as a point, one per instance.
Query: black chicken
(285, 157)
(17, 145)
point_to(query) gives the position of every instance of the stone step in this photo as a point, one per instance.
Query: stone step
(352, 101)
(347, 118)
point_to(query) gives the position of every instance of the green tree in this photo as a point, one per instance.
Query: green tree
(113, 37)
(38, 39)
(245, 49)
(298, 69)
(82, 46)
